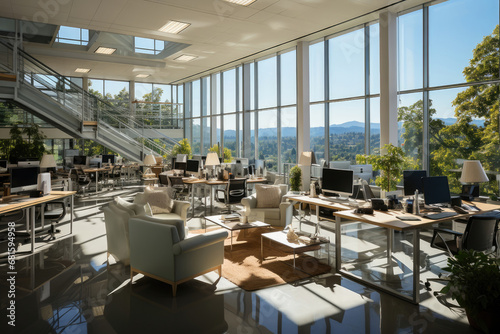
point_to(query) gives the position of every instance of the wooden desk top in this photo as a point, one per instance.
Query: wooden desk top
(318, 201)
(28, 202)
(190, 180)
(93, 170)
(388, 219)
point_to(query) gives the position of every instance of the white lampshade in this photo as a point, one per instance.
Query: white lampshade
(149, 160)
(48, 161)
(212, 159)
(307, 158)
(473, 172)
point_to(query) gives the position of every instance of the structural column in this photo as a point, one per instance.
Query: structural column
(303, 110)
(388, 79)
(247, 144)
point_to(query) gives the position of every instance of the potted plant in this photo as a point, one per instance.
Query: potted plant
(474, 281)
(390, 164)
(295, 179)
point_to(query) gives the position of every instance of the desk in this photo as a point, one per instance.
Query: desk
(388, 221)
(96, 171)
(194, 181)
(29, 205)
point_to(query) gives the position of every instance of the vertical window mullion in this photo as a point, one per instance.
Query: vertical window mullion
(327, 97)
(367, 89)
(425, 125)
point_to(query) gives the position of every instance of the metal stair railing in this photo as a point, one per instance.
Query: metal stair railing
(82, 104)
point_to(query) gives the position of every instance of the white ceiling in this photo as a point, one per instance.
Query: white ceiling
(220, 32)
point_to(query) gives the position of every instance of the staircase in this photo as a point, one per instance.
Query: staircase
(52, 97)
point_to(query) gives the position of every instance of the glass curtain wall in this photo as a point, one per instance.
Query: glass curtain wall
(272, 110)
(448, 109)
(344, 90)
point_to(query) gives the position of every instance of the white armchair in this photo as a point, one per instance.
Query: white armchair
(157, 250)
(279, 214)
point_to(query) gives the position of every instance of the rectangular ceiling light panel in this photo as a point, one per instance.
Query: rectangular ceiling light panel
(104, 50)
(174, 27)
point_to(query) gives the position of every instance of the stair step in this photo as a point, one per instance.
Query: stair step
(89, 123)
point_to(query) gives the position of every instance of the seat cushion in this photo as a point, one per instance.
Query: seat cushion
(268, 196)
(170, 215)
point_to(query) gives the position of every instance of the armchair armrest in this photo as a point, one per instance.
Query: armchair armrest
(181, 208)
(179, 224)
(249, 203)
(200, 241)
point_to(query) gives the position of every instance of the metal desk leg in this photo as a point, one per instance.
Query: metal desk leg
(71, 213)
(192, 200)
(300, 216)
(416, 266)
(338, 257)
(390, 239)
(31, 213)
(317, 229)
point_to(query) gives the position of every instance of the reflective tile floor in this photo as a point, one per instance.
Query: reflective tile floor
(67, 287)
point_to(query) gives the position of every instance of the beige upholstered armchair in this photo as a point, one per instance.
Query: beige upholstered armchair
(266, 204)
(160, 251)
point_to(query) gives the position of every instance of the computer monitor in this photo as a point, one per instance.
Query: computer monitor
(24, 178)
(80, 160)
(181, 166)
(96, 162)
(436, 190)
(108, 158)
(339, 181)
(237, 169)
(4, 163)
(412, 180)
(193, 166)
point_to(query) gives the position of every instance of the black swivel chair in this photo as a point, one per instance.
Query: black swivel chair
(181, 191)
(480, 234)
(235, 191)
(54, 216)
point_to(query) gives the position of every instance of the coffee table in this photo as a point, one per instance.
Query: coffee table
(296, 247)
(234, 226)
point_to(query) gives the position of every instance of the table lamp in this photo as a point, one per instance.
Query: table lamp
(472, 174)
(48, 161)
(149, 160)
(212, 160)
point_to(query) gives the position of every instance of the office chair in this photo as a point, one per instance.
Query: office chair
(116, 176)
(163, 180)
(235, 191)
(80, 179)
(480, 234)
(54, 216)
(179, 186)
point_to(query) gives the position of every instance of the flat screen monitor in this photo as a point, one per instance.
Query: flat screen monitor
(193, 166)
(3, 163)
(80, 160)
(24, 178)
(108, 158)
(339, 181)
(180, 165)
(436, 190)
(412, 180)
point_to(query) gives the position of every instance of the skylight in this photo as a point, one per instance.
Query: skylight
(71, 35)
(148, 46)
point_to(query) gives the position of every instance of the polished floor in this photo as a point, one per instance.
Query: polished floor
(67, 287)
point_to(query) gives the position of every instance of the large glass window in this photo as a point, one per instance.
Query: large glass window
(71, 35)
(317, 71)
(317, 122)
(288, 78)
(410, 50)
(268, 138)
(289, 135)
(347, 64)
(230, 133)
(229, 91)
(347, 130)
(267, 83)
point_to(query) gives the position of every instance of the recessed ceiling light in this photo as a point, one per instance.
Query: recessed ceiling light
(142, 75)
(241, 2)
(82, 70)
(185, 58)
(105, 51)
(174, 27)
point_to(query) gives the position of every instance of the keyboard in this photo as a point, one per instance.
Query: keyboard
(439, 215)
